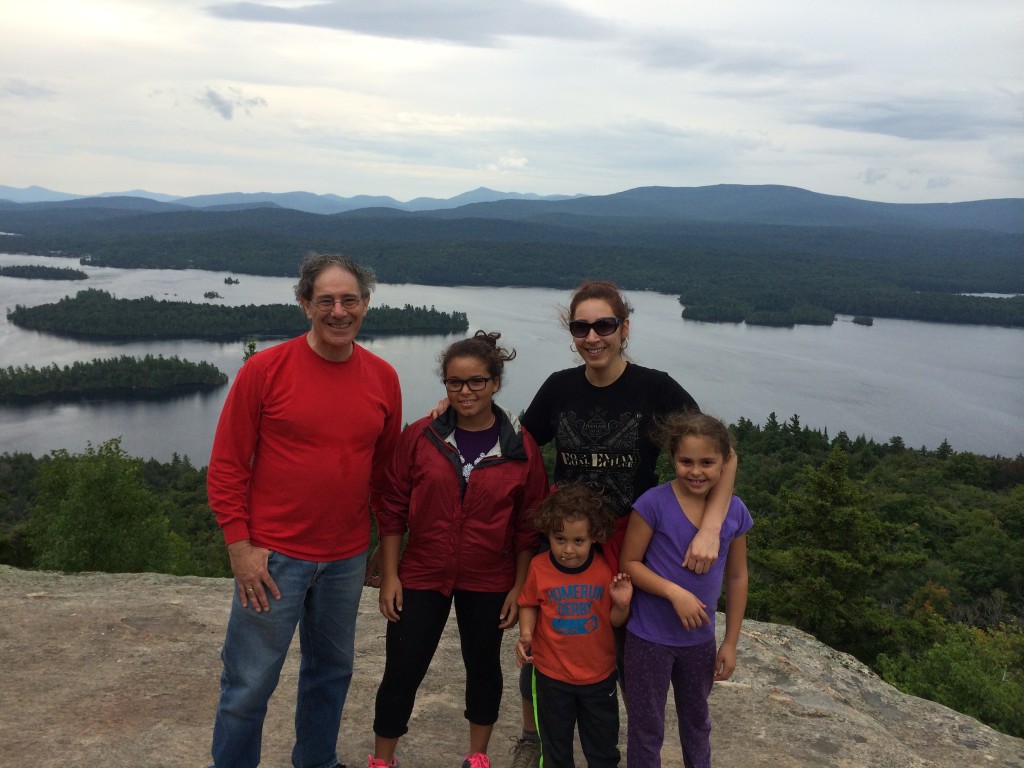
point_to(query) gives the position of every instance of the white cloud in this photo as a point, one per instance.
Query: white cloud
(508, 162)
(914, 101)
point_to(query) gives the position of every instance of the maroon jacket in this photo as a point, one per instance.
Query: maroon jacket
(462, 535)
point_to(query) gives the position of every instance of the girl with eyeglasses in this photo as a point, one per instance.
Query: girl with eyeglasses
(462, 486)
(601, 416)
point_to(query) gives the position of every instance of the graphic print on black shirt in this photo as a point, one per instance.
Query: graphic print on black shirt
(601, 452)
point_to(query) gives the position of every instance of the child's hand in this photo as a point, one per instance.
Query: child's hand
(391, 598)
(524, 653)
(689, 609)
(725, 662)
(622, 590)
(509, 611)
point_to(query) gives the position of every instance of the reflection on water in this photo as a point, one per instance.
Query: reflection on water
(925, 382)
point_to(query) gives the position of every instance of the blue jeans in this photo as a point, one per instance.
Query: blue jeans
(323, 600)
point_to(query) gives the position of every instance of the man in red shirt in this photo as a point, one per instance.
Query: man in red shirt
(298, 459)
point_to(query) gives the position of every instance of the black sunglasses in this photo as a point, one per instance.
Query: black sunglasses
(603, 326)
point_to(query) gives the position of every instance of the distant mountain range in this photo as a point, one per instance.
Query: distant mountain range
(299, 201)
(774, 205)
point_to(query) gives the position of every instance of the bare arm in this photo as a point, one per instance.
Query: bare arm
(390, 586)
(703, 550)
(735, 606)
(527, 623)
(690, 610)
(510, 609)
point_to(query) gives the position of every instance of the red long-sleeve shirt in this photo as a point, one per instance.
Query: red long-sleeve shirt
(301, 449)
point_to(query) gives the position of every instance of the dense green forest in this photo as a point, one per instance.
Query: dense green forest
(95, 313)
(910, 559)
(119, 377)
(913, 286)
(34, 272)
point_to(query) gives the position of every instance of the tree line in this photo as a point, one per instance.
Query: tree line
(118, 377)
(40, 272)
(758, 273)
(95, 313)
(910, 559)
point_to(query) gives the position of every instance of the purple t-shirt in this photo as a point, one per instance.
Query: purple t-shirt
(473, 445)
(652, 617)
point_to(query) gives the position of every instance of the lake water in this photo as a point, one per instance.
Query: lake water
(925, 382)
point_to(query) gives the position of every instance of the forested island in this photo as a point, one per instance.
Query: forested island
(732, 253)
(910, 559)
(39, 272)
(117, 378)
(95, 313)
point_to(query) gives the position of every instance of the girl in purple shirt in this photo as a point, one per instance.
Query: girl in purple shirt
(671, 631)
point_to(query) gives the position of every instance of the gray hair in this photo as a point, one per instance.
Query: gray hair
(316, 263)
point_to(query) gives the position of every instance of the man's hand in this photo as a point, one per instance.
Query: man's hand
(252, 577)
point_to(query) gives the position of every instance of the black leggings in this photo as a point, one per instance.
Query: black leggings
(412, 641)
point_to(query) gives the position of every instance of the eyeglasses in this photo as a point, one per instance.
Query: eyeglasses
(603, 326)
(475, 384)
(326, 303)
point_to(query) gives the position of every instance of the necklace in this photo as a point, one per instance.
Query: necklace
(469, 466)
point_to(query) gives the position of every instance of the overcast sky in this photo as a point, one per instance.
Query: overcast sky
(891, 100)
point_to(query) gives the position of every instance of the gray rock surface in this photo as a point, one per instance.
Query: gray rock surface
(122, 670)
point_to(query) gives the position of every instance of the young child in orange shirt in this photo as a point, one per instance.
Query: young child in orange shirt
(567, 608)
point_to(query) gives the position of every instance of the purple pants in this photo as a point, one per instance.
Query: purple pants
(649, 669)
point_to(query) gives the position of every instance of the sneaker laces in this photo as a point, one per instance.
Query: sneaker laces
(477, 760)
(525, 752)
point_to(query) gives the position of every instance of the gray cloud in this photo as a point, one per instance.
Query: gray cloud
(965, 119)
(874, 175)
(226, 104)
(663, 50)
(468, 22)
(23, 89)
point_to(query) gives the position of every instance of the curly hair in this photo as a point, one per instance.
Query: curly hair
(484, 347)
(575, 502)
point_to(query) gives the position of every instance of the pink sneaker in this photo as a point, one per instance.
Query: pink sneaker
(373, 762)
(477, 760)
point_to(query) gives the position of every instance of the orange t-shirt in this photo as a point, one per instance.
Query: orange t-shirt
(573, 639)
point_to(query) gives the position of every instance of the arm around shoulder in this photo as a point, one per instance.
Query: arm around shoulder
(703, 549)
